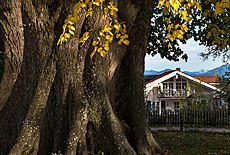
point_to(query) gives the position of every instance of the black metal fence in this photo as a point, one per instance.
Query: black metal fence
(201, 117)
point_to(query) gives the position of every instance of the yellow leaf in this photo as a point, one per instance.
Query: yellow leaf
(165, 10)
(170, 45)
(118, 35)
(199, 7)
(77, 7)
(177, 34)
(167, 4)
(185, 29)
(74, 18)
(67, 35)
(100, 49)
(126, 42)
(95, 43)
(96, 3)
(168, 20)
(124, 26)
(89, 13)
(71, 28)
(105, 43)
(208, 35)
(124, 31)
(64, 27)
(71, 32)
(160, 3)
(102, 52)
(92, 54)
(170, 37)
(106, 48)
(177, 25)
(110, 33)
(228, 4)
(169, 27)
(69, 21)
(101, 33)
(106, 10)
(117, 26)
(112, 12)
(59, 42)
(109, 38)
(222, 31)
(85, 35)
(103, 17)
(124, 36)
(219, 8)
(116, 9)
(120, 41)
(111, 3)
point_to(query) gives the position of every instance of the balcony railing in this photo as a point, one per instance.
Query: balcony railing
(174, 93)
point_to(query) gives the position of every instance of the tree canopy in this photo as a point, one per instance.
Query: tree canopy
(177, 21)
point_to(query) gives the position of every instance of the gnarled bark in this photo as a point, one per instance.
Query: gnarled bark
(61, 100)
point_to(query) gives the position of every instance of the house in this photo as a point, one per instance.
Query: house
(170, 90)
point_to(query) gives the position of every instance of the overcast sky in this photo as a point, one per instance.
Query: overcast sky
(194, 62)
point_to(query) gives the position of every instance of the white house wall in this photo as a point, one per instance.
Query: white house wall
(152, 90)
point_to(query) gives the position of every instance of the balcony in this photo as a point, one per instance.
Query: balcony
(178, 93)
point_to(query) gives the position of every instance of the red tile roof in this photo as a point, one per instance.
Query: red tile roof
(206, 78)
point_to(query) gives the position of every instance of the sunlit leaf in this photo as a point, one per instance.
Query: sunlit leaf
(126, 42)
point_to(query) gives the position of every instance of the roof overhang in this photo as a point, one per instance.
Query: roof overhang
(156, 82)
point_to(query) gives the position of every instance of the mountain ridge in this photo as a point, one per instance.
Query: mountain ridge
(221, 71)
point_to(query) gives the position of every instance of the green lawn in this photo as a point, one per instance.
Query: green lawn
(194, 142)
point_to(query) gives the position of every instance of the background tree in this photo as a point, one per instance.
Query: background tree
(198, 99)
(57, 98)
(224, 87)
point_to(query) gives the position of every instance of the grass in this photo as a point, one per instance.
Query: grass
(193, 142)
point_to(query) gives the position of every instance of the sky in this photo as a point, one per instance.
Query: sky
(194, 62)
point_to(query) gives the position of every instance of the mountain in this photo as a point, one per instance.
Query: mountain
(221, 71)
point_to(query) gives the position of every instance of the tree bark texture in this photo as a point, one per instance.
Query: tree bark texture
(55, 98)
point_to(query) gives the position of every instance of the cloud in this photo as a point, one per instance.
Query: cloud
(194, 63)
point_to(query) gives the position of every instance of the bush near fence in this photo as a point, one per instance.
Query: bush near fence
(200, 117)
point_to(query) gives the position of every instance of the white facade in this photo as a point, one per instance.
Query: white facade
(168, 92)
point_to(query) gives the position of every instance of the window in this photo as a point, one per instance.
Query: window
(171, 89)
(178, 86)
(154, 106)
(184, 85)
(165, 86)
(157, 107)
(176, 105)
(148, 106)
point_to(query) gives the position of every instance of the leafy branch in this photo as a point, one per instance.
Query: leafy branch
(106, 32)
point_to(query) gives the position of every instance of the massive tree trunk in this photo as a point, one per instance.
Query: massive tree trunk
(58, 99)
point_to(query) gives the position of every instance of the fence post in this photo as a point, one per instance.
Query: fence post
(181, 124)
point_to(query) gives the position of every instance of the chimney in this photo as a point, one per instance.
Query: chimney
(177, 69)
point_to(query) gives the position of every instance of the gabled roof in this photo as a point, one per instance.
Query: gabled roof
(206, 78)
(167, 75)
(160, 76)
